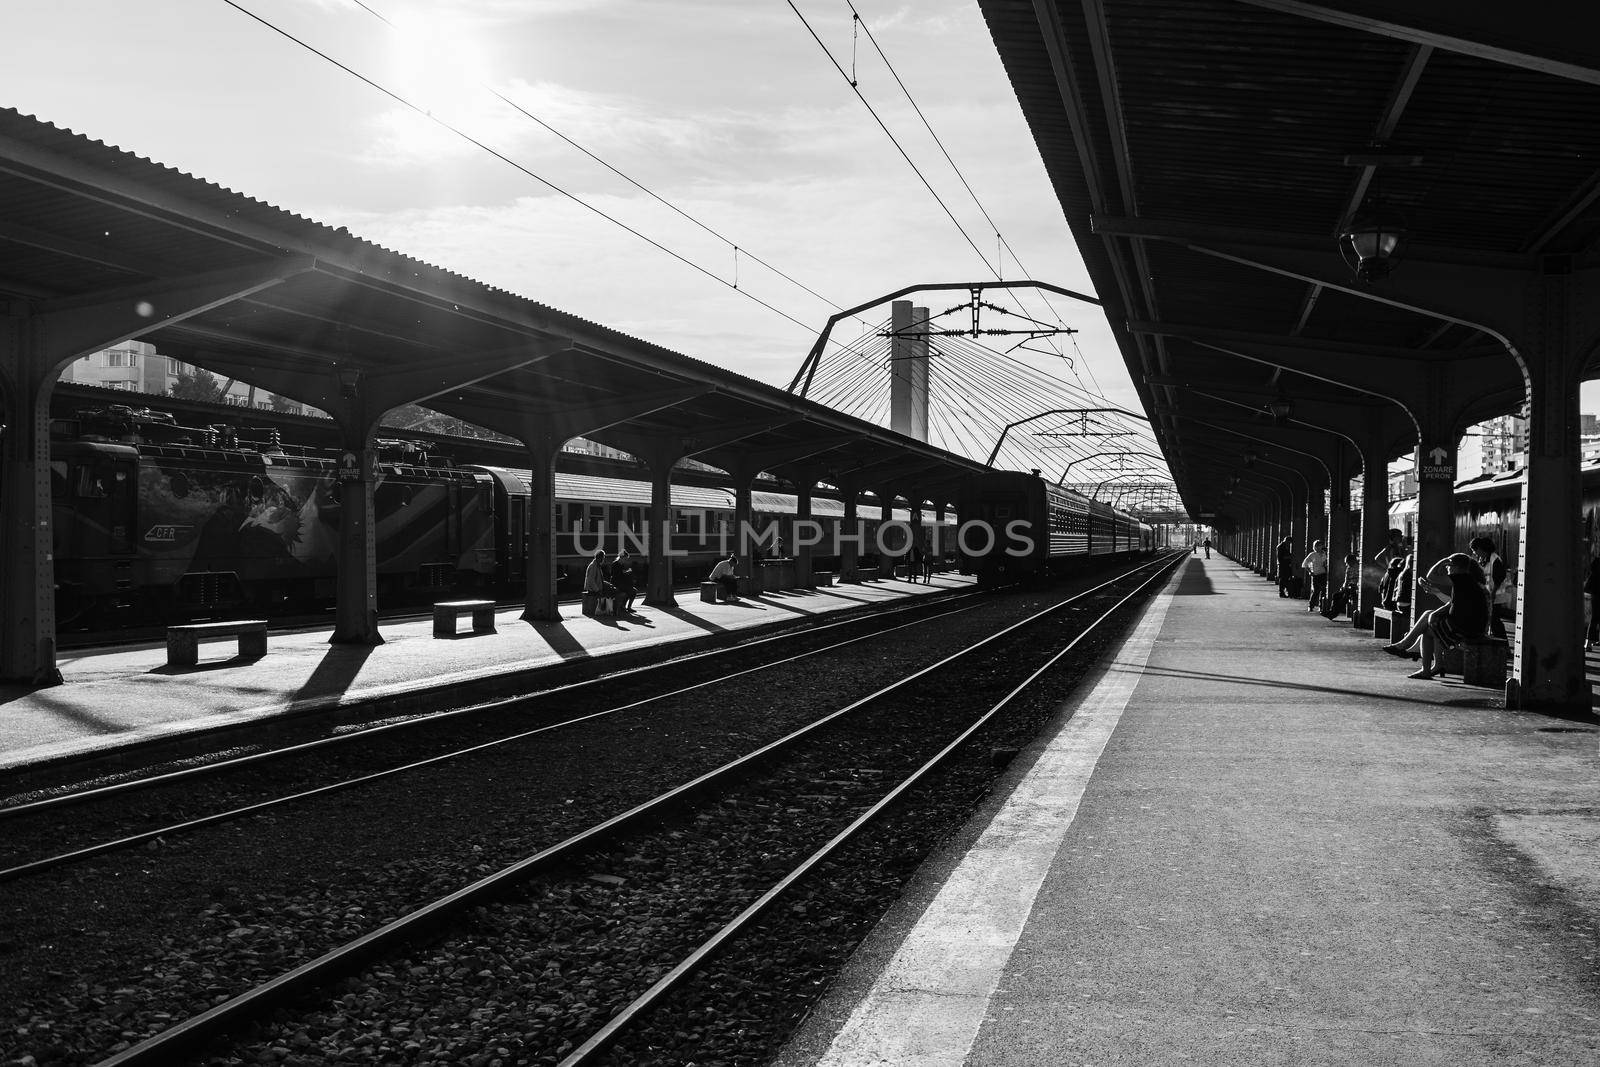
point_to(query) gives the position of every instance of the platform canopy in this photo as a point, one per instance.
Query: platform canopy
(127, 248)
(1208, 154)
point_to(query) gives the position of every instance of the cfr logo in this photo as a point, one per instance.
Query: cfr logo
(164, 534)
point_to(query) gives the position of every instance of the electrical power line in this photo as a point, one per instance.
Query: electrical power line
(993, 226)
(737, 248)
(892, 139)
(425, 113)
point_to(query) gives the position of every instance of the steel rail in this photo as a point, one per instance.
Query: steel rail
(34, 807)
(62, 859)
(697, 959)
(165, 1047)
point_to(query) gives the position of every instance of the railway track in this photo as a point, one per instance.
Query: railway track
(592, 836)
(552, 709)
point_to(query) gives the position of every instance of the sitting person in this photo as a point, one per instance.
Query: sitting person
(595, 584)
(1458, 581)
(724, 572)
(623, 579)
(1389, 584)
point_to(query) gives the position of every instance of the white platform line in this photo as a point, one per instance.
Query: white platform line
(926, 1007)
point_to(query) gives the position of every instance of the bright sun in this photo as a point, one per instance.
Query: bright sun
(441, 65)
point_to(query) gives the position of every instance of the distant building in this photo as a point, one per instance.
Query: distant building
(137, 367)
(1503, 442)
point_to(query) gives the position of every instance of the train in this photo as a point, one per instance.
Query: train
(157, 521)
(1016, 527)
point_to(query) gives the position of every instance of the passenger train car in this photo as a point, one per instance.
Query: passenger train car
(155, 520)
(1016, 526)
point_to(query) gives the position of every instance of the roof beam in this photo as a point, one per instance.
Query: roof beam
(1540, 37)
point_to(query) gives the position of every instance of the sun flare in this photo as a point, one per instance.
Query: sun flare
(440, 63)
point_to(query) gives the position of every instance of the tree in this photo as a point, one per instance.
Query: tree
(417, 417)
(284, 403)
(197, 383)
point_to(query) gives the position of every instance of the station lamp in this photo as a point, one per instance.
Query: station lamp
(1281, 408)
(349, 381)
(1374, 241)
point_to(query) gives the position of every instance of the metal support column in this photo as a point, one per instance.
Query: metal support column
(541, 597)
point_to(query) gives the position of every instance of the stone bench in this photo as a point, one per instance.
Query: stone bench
(1478, 661)
(598, 604)
(1390, 625)
(713, 593)
(822, 579)
(183, 642)
(446, 615)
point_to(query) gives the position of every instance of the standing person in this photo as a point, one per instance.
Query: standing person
(1316, 562)
(1206, 544)
(1389, 586)
(1392, 550)
(1591, 586)
(1285, 567)
(724, 572)
(1494, 573)
(1344, 601)
(623, 578)
(1458, 581)
(595, 584)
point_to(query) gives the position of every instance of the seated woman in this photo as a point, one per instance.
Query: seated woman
(1458, 580)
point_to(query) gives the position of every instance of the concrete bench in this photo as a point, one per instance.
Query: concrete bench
(713, 592)
(183, 642)
(822, 579)
(447, 614)
(1483, 661)
(596, 604)
(1390, 625)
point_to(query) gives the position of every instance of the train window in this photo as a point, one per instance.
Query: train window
(179, 486)
(258, 489)
(96, 481)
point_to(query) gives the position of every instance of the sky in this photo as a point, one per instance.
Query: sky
(729, 109)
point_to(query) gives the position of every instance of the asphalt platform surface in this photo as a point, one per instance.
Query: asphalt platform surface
(1252, 840)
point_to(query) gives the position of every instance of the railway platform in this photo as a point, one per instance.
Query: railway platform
(1250, 839)
(114, 698)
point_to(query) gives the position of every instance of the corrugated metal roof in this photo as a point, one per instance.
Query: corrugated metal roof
(80, 216)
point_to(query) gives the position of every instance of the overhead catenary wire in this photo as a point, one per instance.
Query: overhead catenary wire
(552, 186)
(892, 139)
(1000, 239)
(628, 178)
